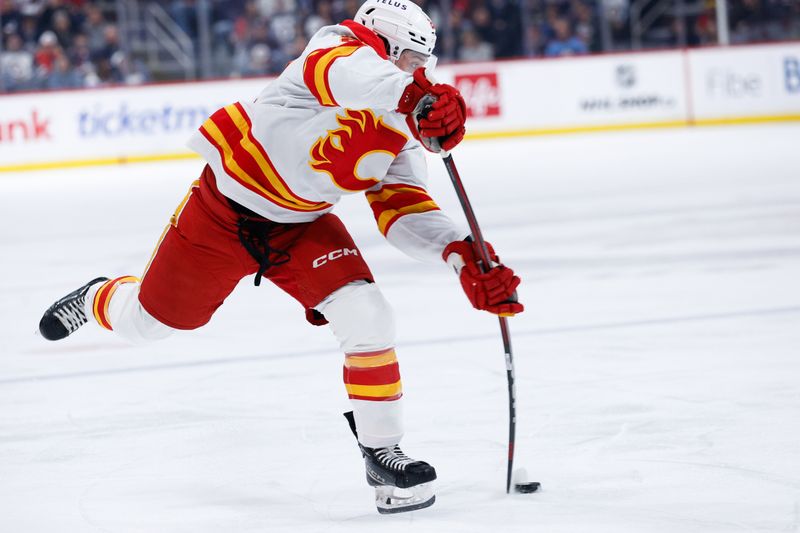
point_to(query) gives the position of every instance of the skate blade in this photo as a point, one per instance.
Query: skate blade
(390, 500)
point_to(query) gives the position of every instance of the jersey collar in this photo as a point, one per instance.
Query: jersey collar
(366, 36)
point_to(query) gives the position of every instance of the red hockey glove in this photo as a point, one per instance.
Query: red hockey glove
(436, 112)
(491, 291)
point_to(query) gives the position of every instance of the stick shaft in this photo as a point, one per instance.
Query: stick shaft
(483, 253)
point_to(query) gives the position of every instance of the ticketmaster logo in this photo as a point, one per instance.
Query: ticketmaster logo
(123, 121)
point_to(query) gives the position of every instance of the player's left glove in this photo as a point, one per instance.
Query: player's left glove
(492, 290)
(436, 113)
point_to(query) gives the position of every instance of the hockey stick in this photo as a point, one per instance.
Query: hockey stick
(483, 253)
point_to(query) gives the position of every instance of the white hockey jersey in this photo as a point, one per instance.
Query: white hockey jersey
(326, 127)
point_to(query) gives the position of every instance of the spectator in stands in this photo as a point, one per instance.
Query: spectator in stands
(94, 27)
(259, 61)
(270, 8)
(253, 55)
(111, 44)
(16, 65)
(322, 16)
(506, 28)
(616, 13)
(481, 22)
(473, 48)
(80, 55)
(10, 17)
(62, 75)
(565, 43)
(29, 30)
(705, 28)
(62, 27)
(47, 13)
(447, 42)
(296, 47)
(534, 41)
(585, 25)
(551, 16)
(46, 54)
(112, 65)
(127, 71)
(283, 25)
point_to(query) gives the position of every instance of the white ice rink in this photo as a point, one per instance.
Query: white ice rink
(658, 361)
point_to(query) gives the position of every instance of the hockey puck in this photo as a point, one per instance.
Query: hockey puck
(527, 488)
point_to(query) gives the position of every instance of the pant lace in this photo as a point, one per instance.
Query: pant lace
(255, 234)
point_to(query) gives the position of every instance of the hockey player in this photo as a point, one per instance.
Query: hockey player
(343, 118)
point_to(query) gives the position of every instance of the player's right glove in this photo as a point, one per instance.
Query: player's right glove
(491, 291)
(436, 113)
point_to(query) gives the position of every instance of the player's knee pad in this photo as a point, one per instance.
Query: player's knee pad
(360, 317)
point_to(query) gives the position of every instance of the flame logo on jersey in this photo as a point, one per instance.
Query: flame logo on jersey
(344, 151)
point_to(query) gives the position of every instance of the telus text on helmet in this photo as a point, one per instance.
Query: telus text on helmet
(401, 5)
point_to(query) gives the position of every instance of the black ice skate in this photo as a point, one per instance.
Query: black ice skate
(66, 315)
(401, 484)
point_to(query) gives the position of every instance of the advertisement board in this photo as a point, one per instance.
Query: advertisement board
(481, 91)
(559, 94)
(118, 123)
(745, 81)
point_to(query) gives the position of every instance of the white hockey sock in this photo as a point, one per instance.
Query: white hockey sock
(363, 322)
(115, 306)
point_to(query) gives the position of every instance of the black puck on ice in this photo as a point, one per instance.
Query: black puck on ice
(527, 488)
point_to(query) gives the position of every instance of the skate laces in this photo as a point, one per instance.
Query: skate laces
(71, 314)
(393, 458)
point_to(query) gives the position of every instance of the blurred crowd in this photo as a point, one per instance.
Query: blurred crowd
(61, 44)
(56, 44)
(749, 21)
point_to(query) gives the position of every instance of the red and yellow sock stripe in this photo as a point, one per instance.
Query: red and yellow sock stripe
(103, 297)
(373, 376)
(394, 200)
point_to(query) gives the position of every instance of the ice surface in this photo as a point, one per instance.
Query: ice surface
(658, 361)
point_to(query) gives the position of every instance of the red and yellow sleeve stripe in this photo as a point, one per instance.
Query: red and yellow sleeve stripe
(393, 201)
(317, 66)
(103, 297)
(373, 376)
(243, 157)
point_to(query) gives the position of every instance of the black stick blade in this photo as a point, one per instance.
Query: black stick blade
(527, 488)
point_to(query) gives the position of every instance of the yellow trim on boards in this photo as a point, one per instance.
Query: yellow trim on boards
(725, 121)
(105, 161)
(176, 156)
(747, 120)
